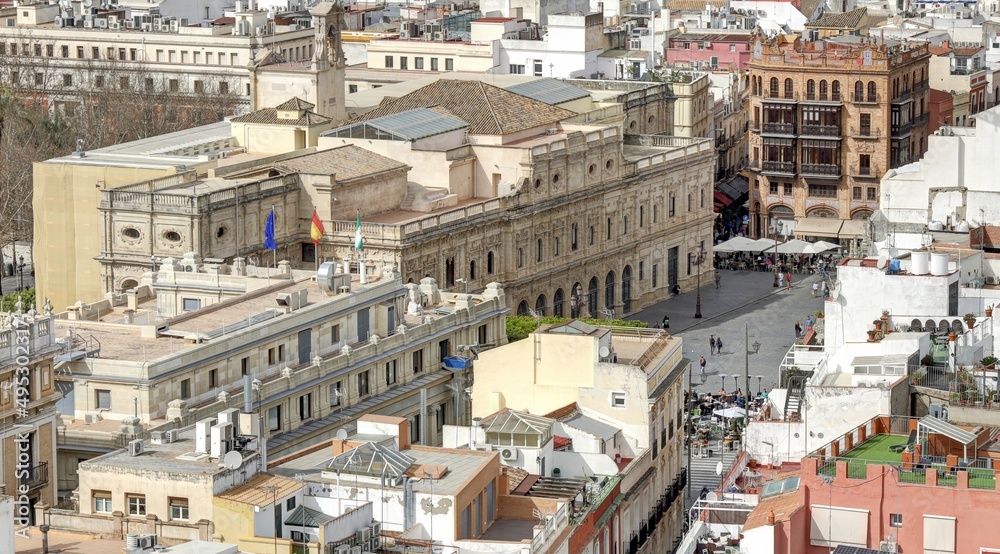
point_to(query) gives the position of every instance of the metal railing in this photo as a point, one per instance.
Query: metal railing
(821, 130)
(921, 86)
(779, 128)
(921, 119)
(864, 133)
(866, 98)
(865, 171)
(821, 169)
(781, 95)
(902, 129)
(779, 167)
(903, 96)
(35, 477)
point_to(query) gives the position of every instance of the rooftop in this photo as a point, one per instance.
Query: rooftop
(257, 491)
(344, 163)
(843, 20)
(177, 457)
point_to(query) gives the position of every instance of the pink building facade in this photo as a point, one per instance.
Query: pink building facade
(709, 50)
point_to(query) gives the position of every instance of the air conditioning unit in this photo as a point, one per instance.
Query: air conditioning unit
(363, 536)
(135, 447)
(88, 23)
(887, 546)
(112, 19)
(147, 26)
(508, 453)
(404, 34)
(170, 436)
(115, 26)
(147, 541)
(376, 535)
(438, 36)
(58, 22)
(342, 549)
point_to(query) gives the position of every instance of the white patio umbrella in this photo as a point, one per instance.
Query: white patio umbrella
(763, 245)
(735, 244)
(730, 413)
(794, 246)
(820, 246)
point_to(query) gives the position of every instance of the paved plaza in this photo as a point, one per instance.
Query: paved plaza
(743, 297)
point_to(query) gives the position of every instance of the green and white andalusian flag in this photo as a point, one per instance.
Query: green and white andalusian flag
(359, 241)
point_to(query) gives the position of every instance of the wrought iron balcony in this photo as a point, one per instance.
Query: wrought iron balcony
(778, 167)
(820, 130)
(866, 133)
(866, 98)
(866, 172)
(902, 130)
(822, 170)
(921, 119)
(921, 86)
(778, 129)
(903, 97)
(780, 96)
(36, 478)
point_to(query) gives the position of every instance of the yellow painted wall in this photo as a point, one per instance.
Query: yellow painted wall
(67, 227)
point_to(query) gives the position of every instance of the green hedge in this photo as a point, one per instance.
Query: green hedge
(520, 326)
(9, 301)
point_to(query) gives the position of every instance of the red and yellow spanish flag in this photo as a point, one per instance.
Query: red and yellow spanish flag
(316, 231)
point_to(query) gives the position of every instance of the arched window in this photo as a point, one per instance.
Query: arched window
(608, 234)
(823, 90)
(656, 213)
(538, 250)
(690, 204)
(609, 291)
(592, 298)
(627, 289)
(642, 216)
(472, 269)
(522, 307)
(540, 305)
(859, 92)
(810, 89)
(557, 303)
(756, 88)
(671, 205)
(520, 257)
(774, 87)
(625, 225)
(872, 92)
(572, 237)
(835, 91)
(789, 88)
(701, 200)
(555, 246)
(489, 263)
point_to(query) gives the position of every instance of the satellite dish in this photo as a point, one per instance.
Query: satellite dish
(605, 351)
(882, 261)
(718, 468)
(341, 434)
(233, 460)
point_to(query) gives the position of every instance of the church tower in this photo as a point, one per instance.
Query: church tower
(328, 60)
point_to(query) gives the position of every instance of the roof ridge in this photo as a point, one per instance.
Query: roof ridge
(489, 104)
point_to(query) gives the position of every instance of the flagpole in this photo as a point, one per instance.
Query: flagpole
(316, 256)
(274, 253)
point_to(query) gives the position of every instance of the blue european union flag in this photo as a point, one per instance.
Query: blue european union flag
(269, 242)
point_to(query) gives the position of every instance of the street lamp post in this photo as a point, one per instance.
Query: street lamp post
(759, 378)
(746, 367)
(699, 259)
(20, 267)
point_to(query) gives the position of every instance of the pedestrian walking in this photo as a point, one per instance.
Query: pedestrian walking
(666, 322)
(809, 322)
(824, 290)
(702, 362)
(718, 345)
(815, 289)
(711, 343)
(788, 281)
(798, 329)
(718, 279)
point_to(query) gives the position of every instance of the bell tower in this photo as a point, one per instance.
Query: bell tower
(328, 60)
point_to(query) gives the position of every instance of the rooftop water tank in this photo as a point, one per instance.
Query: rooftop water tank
(919, 262)
(939, 263)
(935, 225)
(963, 226)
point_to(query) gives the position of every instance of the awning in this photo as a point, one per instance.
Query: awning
(735, 187)
(817, 227)
(853, 229)
(722, 199)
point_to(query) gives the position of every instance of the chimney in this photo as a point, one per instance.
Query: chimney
(770, 517)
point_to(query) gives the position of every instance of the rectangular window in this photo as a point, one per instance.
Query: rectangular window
(50, 50)
(199, 87)
(449, 64)
(274, 418)
(418, 361)
(95, 53)
(305, 406)
(788, 189)
(335, 394)
(149, 84)
(481, 334)
(174, 86)
(390, 372)
(281, 352)
(245, 366)
(102, 502)
(351, 89)
(136, 504)
(123, 82)
(895, 520)
(185, 389)
(516, 69)
(79, 52)
(418, 63)
(191, 304)
(223, 88)
(434, 64)
(618, 399)
(363, 384)
(133, 54)
(537, 69)
(334, 334)
(823, 191)
(442, 414)
(404, 62)
(102, 399)
(213, 378)
(773, 189)
(64, 51)
(641, 266)
(178, 508)
(39, 79)
(872, 194)
(856, 193)
(290, 504)
(653, 275)
(415, 429)
(233, 59)
(67, 80)
(388, 62)
(866, 124)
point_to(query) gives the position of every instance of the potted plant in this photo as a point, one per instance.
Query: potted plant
(878, 324)
(989, 362)
(952, 336)
(871, 335)
(989, 310)
(819, 314)
(969, 319)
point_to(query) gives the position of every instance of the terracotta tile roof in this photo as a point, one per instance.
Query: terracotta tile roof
(560, 442)
(515, 476)
(991, 238)
(966, 51)
(560, 413)
(487, 109)
(845, 20)
(783, 505)
(346, 163)
(269, 116)
(256, 493)
(939, 50)
(295, 103)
